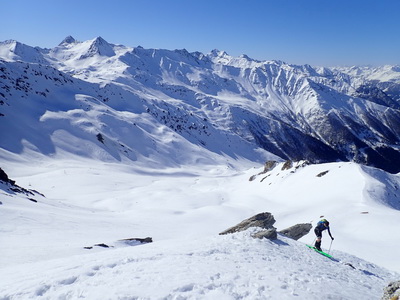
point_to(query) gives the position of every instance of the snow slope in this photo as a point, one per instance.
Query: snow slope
(183, 210)
(228, 267)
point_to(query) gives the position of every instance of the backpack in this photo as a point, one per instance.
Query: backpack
(320, 223)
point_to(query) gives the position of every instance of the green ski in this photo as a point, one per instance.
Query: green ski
(320, 252)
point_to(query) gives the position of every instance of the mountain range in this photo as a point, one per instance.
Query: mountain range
(103, 145)
(113, 102)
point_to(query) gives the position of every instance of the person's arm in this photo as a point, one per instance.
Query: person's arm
(329, 231)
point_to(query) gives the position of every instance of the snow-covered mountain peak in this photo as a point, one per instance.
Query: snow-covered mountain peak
(219, 56)
(245, 56)
(68, 40)
(395, 68)
(99, 46)
(218, 53)
(7, 50)
(12, 50)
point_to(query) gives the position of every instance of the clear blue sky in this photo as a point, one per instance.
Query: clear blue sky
(317, 32)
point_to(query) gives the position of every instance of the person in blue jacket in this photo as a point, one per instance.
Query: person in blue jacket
(321, 226)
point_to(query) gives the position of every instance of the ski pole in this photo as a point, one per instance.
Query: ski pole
(329, 251)
(313, 241)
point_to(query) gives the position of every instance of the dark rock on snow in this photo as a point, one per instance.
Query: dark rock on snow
(264, 220)
(140, 240)
(297, 231)
(12, 187)
(392, 291)
(129, 241)
(287, 165)
(4, 177)
(268, 166)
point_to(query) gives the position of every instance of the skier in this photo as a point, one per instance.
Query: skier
(321, 226)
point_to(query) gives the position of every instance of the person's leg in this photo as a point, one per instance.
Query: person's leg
(318, 244)
(318, 233)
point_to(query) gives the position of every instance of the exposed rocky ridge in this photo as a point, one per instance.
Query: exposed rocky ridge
(294, 112)
(11, 187)
(289, 166)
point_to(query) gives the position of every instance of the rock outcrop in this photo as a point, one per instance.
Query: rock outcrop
(11, 187)
(127, 242)
(297, 231)
(4, 177)
(268, 166)
(263, 220)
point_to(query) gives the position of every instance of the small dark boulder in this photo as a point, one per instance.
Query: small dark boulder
(102, 245)
(129, 242)
(263, 220)
(297, 231)
(392, 291)
(138, 240)
(269, 165)
(100, 138)
(322, 174)
(287, 165)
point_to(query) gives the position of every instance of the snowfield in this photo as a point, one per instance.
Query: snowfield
(183, 210)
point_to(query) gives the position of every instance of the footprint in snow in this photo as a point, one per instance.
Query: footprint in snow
(68, 281)
(42, 290)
